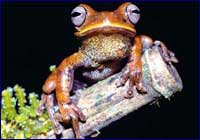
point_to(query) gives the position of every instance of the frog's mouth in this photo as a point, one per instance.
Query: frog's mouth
(110, 29)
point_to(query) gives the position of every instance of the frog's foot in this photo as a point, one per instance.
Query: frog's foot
(168, 55)
(129, 94)
(122, 78)
(121, 81)
(133, 73)
(48, 102)
(70, 112)
(50, 106)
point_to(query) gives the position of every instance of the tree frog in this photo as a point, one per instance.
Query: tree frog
(108, 40)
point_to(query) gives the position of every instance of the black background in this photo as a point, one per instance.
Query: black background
(37, 35)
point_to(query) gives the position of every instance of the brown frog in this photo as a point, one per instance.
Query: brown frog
(108, 38)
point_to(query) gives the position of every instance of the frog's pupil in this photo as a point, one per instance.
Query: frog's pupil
(135, 11)
(75, 14)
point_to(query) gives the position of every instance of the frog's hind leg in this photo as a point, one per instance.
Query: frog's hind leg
(48, 102)
(41, 106)
(167, 55)
(54, 117)
(147, 42)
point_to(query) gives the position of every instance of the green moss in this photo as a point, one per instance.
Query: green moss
(18, 116)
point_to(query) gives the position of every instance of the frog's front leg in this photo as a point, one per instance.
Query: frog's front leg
(64, 84)
(62, 81)
(133, 69)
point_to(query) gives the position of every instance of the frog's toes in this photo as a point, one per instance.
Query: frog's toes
(129, 94)
(141, 88)
(58, 128)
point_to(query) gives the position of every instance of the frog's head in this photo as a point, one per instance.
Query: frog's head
(87, 21)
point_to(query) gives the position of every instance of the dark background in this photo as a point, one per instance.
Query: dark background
(37, 35)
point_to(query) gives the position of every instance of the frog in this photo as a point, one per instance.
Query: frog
(108, 40)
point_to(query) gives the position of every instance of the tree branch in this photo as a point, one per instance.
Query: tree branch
(104, 103)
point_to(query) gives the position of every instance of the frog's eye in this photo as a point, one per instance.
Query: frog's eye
(133, 14)
(78, 15)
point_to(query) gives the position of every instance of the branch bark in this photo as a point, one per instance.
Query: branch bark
(104, 103)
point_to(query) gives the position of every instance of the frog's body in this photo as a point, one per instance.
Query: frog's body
(106, 51)
(108, 38)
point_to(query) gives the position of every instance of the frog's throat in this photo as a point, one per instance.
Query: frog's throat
(101, 48)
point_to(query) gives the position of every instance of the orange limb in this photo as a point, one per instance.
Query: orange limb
(133, 69)
(61, 81)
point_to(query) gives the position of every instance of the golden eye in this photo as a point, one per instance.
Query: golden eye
(132, 12)
(78, 15)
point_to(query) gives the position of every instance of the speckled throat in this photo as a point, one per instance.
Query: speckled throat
(101, 48)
